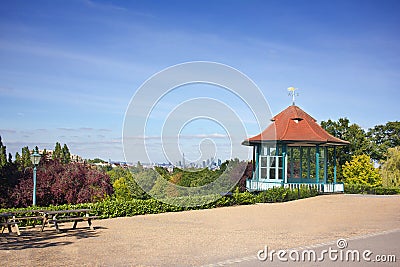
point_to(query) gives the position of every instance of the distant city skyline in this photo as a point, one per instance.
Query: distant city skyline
(68, 69)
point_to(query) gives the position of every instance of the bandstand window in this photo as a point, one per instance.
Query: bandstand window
(270, 163)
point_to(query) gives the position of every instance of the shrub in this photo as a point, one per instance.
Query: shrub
(360, 170)
(357, 188)
(368, 189)
(390, 168)
(243, 198)
(281, 194)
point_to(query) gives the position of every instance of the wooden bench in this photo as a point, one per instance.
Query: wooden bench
(9, 225)
(68, 216)
(75, 220)
(21, 215)
(6, 221)
(14, 218)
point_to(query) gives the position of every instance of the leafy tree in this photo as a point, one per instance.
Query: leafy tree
(66, 155)
(44, 154)
(3, 175)
(353, 133)
(3, 154)
(25, 159)
(59, 183)
(390, 168)
(158, 190)
(171, 190)
(139, 166)
(360, 170)
(146, 179)
(57, 153)
(96, 160)
(384, 137)
(17, 157)
(121, 189)
(117, 173)
(124, 183)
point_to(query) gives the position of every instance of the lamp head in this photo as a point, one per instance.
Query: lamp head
(35, 158)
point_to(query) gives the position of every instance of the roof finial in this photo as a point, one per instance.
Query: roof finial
(292, 92)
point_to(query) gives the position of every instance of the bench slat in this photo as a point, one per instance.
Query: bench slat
(73, 219)
(8, 223)
(29, 218)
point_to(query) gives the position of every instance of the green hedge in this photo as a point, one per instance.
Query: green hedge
(281, 194)
(368, 189)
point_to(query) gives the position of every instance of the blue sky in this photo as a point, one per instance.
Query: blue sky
(68, 69)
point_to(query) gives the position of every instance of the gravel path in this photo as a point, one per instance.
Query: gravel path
(200, 237)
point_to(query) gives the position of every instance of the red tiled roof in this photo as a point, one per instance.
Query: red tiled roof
(293, 125)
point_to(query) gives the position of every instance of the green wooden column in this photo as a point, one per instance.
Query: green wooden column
(283, 167)
(317, 163)
(334, 165)
(283, 163)
(291, 163)
(257, 162)
(308, 163)
(301, 164)
(325, 164)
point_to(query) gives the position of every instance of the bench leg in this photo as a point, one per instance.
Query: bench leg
(56, 226)
(90, 224)
(45, 219)
(2, 228)
(75, 223)
(17, 229)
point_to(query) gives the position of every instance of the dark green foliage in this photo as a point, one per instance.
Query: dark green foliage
(66, 155)
(192, 177)
(368, 189)
(375, 142)
(17, 157)
(282, 194)
(61, 154)
(243, 198)
(380, 190)
(189, 182)
(359, 144)
(96, 160)
(124, 182)
(25, 159)
(44, 153)
(384, 137)
(57, 153)
(3, 154)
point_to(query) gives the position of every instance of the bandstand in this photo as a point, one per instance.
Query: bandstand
(292, 151)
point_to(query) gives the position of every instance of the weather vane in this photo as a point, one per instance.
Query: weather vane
(293, 94)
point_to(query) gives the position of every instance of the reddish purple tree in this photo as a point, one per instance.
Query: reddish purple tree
(59, 183)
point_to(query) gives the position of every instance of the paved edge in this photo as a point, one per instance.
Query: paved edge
(254, 257)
